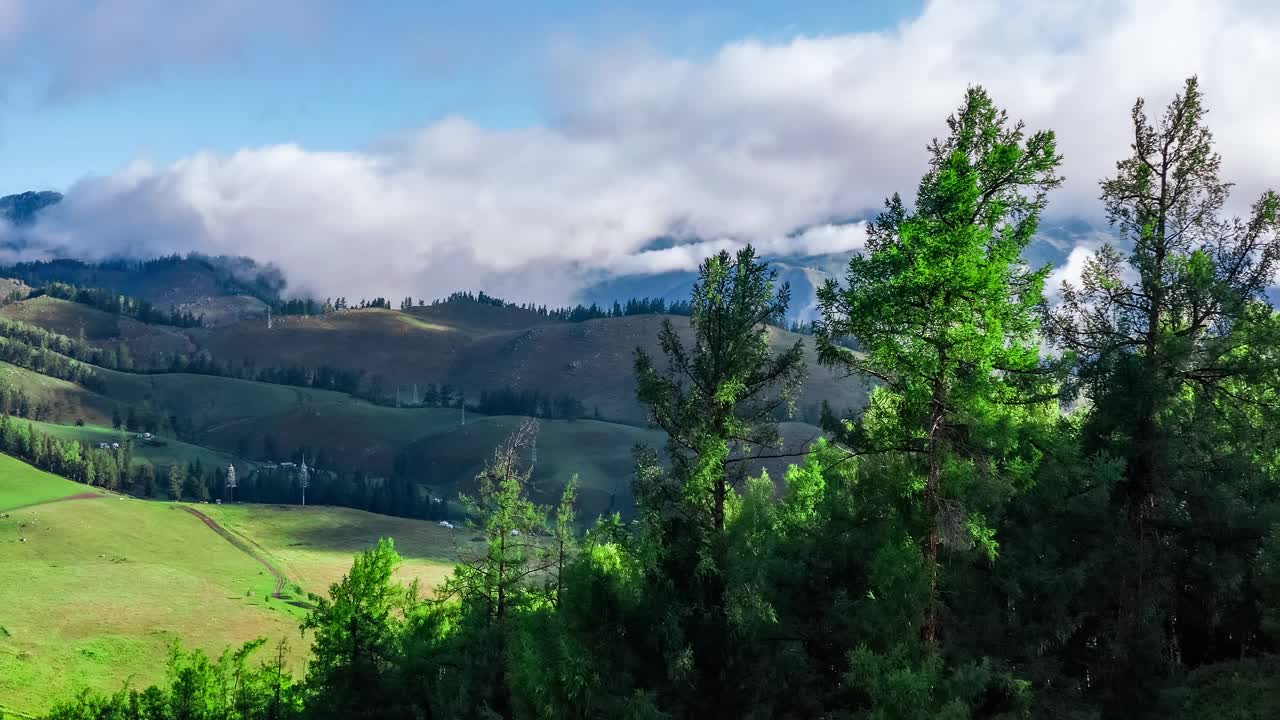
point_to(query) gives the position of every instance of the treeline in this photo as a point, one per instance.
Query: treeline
(311, 306)
(963, 549)
(533, 403)
(268, 482)
(577, 313)
(69, 458)
(328, 485)
(118, 304)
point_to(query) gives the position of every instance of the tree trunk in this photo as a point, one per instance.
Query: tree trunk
(932, 500)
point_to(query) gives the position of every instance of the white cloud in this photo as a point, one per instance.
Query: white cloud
(751, 143)
(1070, 271)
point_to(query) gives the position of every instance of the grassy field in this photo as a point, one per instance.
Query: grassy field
(93, 591)
(21, 485)
(314, 545)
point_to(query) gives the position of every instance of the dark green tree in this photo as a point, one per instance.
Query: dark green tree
(717, 402)
(1174, 346)
(357, 632)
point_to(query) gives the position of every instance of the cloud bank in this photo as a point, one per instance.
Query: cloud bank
(751, 143)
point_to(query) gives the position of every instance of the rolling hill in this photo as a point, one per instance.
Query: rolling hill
(468, 345)
(472, 346)
(94, 586)
(221, 289)
(235, 416)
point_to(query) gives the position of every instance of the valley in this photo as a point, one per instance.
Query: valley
(101, 577)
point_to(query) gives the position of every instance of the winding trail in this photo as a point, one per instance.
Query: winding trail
(242, 546)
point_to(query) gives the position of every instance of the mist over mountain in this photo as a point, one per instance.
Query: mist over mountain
(21, 209)
(665, 267)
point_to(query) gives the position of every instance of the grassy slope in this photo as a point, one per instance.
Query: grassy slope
(600, 453)
(21, 484)
(356, 431)
(69, 400)
(465, 344)
(594, 361)
(478, 347)
(101, 587)
(314, 545)
(98, 327)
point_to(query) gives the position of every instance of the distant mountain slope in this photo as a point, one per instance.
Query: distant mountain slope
(220, 289)
(21, 209)
(804, 276)
(1052, 245)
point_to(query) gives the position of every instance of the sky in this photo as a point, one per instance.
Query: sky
(413, 148)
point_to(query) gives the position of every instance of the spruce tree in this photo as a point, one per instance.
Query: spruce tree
(717, 402)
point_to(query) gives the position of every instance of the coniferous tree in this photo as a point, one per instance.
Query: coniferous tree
(177, 478)
(356, 630)
(716, 403)
(946, 316)
(1174, 345)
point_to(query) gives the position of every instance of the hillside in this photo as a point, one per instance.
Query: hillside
(504, 347)
(593, 361)
(92, 592)
(99, 328)
(220, 289)
(160, 452)
(232, 420)
(470, 346)
(94, 587)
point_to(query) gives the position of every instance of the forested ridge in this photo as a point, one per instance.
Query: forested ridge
(1047, 510)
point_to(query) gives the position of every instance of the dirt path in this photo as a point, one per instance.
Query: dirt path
(242, 546)
(77, 496)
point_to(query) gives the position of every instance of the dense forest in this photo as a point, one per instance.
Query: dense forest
(1046, 511)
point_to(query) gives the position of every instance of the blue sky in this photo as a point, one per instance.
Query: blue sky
(353, 77)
